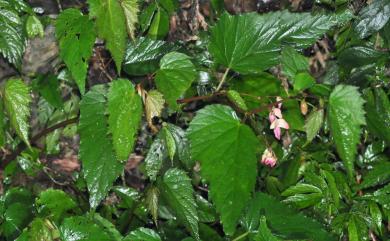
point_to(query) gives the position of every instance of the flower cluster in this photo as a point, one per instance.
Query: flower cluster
(276, 119)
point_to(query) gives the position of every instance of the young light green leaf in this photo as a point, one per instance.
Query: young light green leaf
(378, 113)
(176, 189)
(17, 101)
(40, 230)
(125, 112)
(130, 8)
(34, 27)
(79, 228)
(236, 98)
(346, 115)
(111, 26)
(54, 203)
(160, 24)
(293, 62)
(12, 39)
(154, 104)
(303, 81)
(142, 56)
(264, 233)
(142, 234)
(76, 36)
(313, 124)
(175, 76)
(226, 150)
(100, 166)
(170, 142)
(372, 18)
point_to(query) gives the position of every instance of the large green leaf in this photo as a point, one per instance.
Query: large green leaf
(360, 56)
(226, 150)
(54, 203)
(12, 39)
(76, 35)
(79, 228)
(378, 113)
(372, 18)
(17, 100)
(100, 166)
(111, 26)
(175, 76)
(130, 8)
(346, 115)
(125, 112)
(176, 189)
(284, 221)
(142, 56)
(142, 234)
(250, 43)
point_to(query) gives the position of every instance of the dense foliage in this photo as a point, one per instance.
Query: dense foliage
(177, 120)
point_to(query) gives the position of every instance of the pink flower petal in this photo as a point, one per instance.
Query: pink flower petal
(271, 117)
(282, 123)
(277, 132)
(277, 112)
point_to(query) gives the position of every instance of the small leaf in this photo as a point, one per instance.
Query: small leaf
(313, 124)
(34, 27)
(379, 174)
(372, 18)
(264, 233)
(176, 189)
(155, 157)
(142, 234)
(17, 101)
(130, 8)
(40, 230)
(303, 81)
(293, 62)
(100, 166)
(111, 26)
(125, 112)
(76, 36)
(79, 228)
(170, 142)
(219, 141)
(346, 115)
(154, 104)
(182, 144)
(160, 24)
(152, 196)
(54, 203)
(175, 76)
(360, 56)
(2, 124)
(236, 98)
(48, 88)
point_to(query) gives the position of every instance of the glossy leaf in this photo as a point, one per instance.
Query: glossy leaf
(175, 76)
(219, 141)
(79, 228)
(130, 8)
(372, 18)
(76, 36)
(293, 62)
(34, 27)
(111, 26)
(17, 101)
(125, 112)
(346, 115)
(100, 166)
(313, 124)
(379, 174)
(55, 203)
(155, 157)
(142, 234)
(360, 56)
(264, 233)
(176, 189)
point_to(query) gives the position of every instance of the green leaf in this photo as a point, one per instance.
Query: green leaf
(125, 112)
(313, 124)
(155, 157)
(376, 215)
(379, 174)
(284, 221)
(40, 230)
(236, 98)
(170, 142)
(372, 18)
(378, 113)
(175, 76)
(353, 234)
(293, 62)
(100, 166)
(76, 36)
(264, 233)
(48, 88)
(12, 39)
(346, 115)
(108, 227)
(292, 114)
(79, 228)
(176, 189)
(226, 150)
(111, 26)
(142, 234)
(34, 27)
(17, 101)
(130, 8)
(359, 56)
(250, 43)
(129, 196)
(17, 212)
(303, 81)
(2, 124)
(181, 143)
(142, 56)
(159, 26)
(54, 203)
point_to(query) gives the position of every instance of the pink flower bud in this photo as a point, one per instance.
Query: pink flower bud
(268, 158)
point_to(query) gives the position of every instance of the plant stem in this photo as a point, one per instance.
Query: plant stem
(241, 236)
(222, 80)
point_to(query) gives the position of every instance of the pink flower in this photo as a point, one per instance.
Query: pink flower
(276, 119)
(269, 158)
